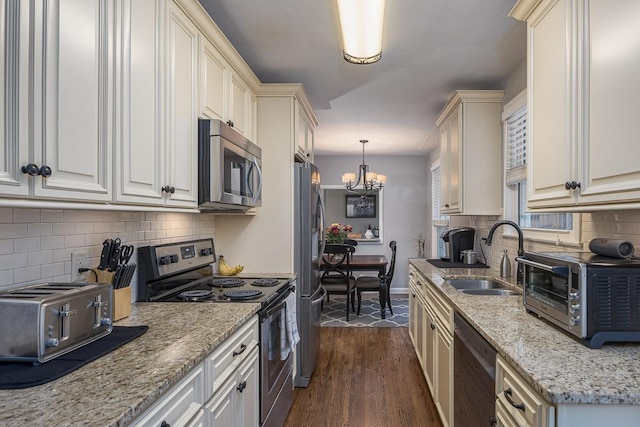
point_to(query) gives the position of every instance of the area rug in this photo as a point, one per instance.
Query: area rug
(334, 313)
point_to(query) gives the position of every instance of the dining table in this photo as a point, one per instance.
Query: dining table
(372, 263)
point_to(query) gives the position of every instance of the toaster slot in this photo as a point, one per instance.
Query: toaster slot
(65, 314)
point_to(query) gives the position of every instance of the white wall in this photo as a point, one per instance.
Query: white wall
(36, 244)
(407, 203)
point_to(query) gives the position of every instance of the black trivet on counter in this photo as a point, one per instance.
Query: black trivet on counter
(448, 264)
(14, 375)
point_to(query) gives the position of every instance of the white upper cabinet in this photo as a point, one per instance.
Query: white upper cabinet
(225, 94)
(139, 155)
(471, 153)
(215, 75)
(14, 109)
(181, 151)
(583, 68)
(67, 107)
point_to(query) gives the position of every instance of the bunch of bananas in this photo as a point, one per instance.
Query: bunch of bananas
(226, 270)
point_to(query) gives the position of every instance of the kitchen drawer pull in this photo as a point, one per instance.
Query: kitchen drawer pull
(242, 386)
(165, 424)
(243, 347)
(493, 421)
(433, 326)
(507, 394)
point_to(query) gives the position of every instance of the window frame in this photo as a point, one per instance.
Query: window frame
(441, 220)
(556, 237)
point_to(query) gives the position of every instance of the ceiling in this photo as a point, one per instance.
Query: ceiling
(430, 48)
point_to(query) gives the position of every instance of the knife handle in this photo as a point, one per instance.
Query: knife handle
(105, 254)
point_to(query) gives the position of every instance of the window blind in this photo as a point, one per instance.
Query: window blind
(436, 218)
(516, 143)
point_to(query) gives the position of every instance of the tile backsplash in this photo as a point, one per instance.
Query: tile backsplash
(36, 244)
(606, 224)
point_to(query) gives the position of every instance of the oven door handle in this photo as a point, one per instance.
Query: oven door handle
(562, 270)
(275, 309)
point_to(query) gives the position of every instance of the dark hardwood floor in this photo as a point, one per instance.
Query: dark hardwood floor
(366, 377)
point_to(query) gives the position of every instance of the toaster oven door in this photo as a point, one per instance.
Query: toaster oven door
(552, 290)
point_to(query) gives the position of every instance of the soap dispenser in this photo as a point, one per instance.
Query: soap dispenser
(505, 265)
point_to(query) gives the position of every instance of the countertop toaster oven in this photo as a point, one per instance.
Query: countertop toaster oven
(41, 322)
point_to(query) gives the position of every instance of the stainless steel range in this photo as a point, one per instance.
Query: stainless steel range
(182, 273)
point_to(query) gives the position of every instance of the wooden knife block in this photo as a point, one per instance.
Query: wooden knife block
(121, 297)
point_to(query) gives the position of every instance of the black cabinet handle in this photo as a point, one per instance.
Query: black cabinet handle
(230, 123)
(33, 170)
(571, 185)
(492, 421)
(507, 394)
(165, 424)
(243, 347)
(446, 205)
(169, 189)
(433, 326)
(242, 386)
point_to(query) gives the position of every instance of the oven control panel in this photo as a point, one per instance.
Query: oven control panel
(171, 258)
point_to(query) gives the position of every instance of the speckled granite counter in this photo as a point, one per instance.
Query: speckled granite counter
(557, 366)
(119, 386)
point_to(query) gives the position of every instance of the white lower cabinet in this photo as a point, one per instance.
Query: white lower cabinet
(221, 391)
(431, 327)
(181, 406)
(236, 403)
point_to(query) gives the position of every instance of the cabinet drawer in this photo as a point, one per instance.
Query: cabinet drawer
(533, 411)
(229, 355)
(502, 416)
(441, 309)
(180, 406)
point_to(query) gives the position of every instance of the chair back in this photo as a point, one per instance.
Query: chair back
(336, 261)
(392, 265)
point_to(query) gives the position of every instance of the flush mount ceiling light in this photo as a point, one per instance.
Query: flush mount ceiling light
(361, 25)
(367, 181)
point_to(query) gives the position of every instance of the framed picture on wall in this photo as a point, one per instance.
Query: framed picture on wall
(358, 207)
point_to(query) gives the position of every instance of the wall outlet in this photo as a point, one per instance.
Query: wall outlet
(78, 260)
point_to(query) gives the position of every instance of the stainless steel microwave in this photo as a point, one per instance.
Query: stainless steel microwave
(229, 168)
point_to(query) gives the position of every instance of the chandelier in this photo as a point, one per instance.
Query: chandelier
(366, 181)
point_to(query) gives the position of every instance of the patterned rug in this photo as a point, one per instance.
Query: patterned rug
(334, 313)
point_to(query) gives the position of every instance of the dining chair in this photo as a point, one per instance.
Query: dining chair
(336, 277)
(372, 283)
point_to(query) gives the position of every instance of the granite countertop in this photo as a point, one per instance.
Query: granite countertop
(560, 368)
(121, 385)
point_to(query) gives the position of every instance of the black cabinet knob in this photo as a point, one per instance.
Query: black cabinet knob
(169, 189)
(433, 326)
(571, 185)
(45, 171)
(242, 386)
(31, 169)
(230, 123)
(567, 185)
(446, 205)
(165, 424)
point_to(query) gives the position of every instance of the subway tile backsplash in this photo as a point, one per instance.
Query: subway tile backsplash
(36, 244)
(607, 224)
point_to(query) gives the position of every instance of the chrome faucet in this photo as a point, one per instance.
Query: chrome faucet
(489, 238)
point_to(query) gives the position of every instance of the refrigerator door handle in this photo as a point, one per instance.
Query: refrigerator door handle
(321, 226)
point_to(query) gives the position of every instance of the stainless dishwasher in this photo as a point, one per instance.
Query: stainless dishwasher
(474, 368)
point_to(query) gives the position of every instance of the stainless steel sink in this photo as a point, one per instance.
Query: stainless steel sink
(475, 284)
(503, 292)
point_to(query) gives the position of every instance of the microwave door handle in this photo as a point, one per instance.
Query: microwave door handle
(257, 193)
(561, 270)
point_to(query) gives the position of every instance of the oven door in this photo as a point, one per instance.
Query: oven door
(275, 361)
(552, 290)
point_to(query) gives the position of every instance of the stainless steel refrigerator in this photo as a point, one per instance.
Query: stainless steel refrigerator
(309, 245)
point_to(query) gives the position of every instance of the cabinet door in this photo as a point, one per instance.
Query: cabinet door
(610, 171)
(14, 108)
(180, 163)
(139, 152)
(444, 374)
(248, 392)
(551, 159)
(301, 133)
(73, 76)
(451, 164)
(215, 83)
(240, 105)
(219, 411)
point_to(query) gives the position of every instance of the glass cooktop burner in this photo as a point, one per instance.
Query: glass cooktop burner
(242, 294)
(226, 283)
(194, 295)
(265, 282)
